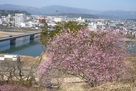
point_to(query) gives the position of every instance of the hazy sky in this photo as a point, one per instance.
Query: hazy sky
(87, 4)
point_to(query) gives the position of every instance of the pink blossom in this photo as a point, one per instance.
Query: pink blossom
(95, 56)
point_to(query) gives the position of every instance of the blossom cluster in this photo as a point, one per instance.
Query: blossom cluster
(96, 56)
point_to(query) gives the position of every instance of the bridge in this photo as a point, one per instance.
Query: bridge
(12, 38)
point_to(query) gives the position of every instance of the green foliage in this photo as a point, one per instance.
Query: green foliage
(119, 24)
(70, 25)
(47, 34)
(60, 27)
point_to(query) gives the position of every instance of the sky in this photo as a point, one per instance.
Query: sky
(128, 5)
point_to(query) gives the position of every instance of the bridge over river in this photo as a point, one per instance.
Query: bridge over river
(12, 38)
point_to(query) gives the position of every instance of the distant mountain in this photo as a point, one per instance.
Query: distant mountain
(31, 10)
(119, 14)
(64, 9)
(51, 10)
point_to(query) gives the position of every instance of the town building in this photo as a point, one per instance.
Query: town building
(19, 19)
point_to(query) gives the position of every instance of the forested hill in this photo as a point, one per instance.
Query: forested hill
(72, 15)
(12, 12)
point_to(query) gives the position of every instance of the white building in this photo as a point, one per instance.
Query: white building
(1, 21)
(57, 19)
(19, 19)
(80, 19)
(92, 26)
(52, 24)
(12, 57)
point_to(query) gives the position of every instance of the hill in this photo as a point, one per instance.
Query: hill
(72, 15)
(31, 10)
(12, 12)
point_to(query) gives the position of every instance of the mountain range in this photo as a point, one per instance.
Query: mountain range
(51, 10)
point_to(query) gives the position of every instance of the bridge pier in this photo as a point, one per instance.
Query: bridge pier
(13, 41)
(31, 37)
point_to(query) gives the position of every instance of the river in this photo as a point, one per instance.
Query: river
(23, 47)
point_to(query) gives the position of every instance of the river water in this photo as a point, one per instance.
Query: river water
(24, 46)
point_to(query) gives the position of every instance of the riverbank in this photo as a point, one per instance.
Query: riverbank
(28, 62)
(129, 39)
(14, 31)
(7, 34)
(18, 29)
(73, 83)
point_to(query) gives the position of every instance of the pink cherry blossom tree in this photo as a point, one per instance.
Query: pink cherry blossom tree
(94, 56)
